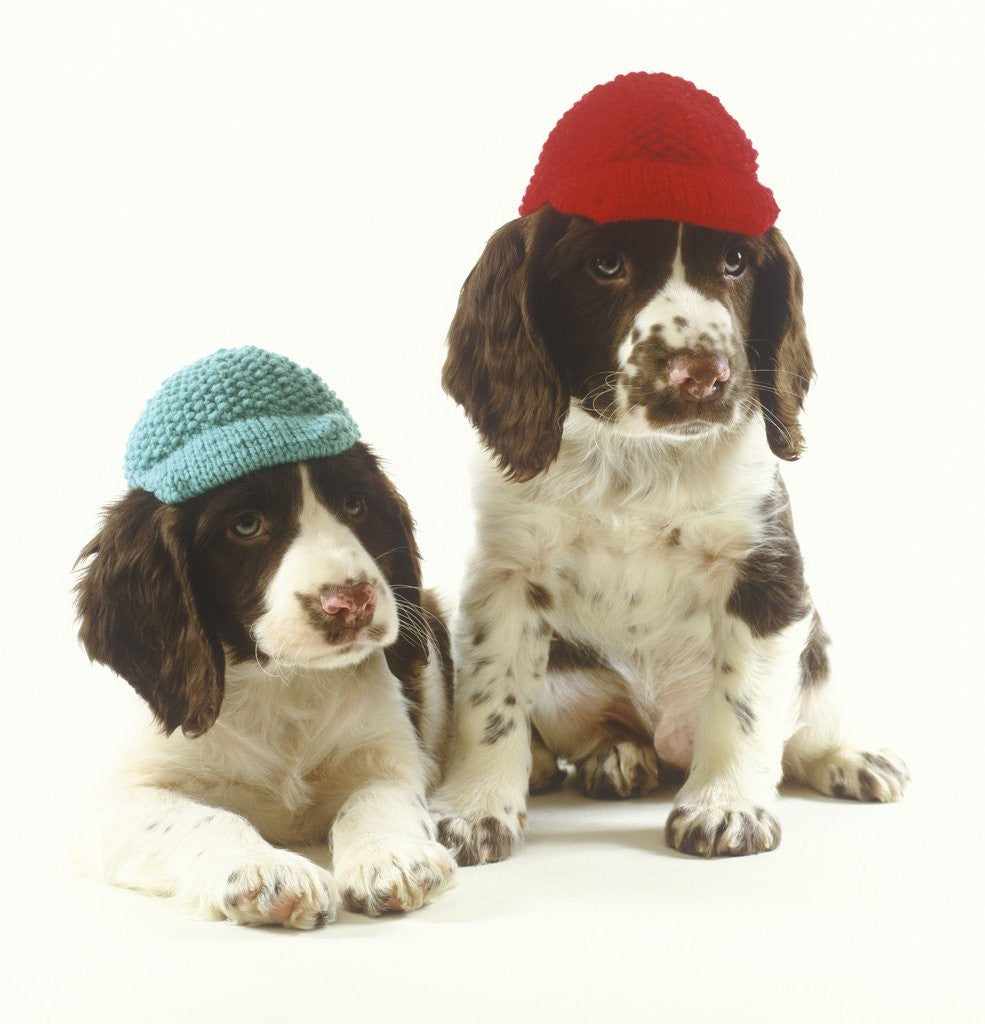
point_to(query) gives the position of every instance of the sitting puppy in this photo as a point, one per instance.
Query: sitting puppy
(259, 587)
(634, 364)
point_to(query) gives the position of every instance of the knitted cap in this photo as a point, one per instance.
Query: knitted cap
(226, 415)
(652, 146)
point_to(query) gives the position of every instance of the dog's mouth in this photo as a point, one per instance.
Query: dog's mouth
(656, 411)
(314, 649)
(692, 429)
(330, 627)
(345, 641)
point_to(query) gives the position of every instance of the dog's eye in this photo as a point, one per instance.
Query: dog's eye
(607, 264)
(735, 261)
(354, 505)
(246, 526)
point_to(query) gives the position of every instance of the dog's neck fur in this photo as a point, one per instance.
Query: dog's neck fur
(599, 468)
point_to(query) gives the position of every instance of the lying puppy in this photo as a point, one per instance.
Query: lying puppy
(259, 587)
(637, 593)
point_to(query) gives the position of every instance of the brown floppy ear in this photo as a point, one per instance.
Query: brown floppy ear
(499, 367)
(779, 353)
(138, 614)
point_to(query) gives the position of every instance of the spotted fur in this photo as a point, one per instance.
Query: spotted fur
(637, 584)
(282, 722)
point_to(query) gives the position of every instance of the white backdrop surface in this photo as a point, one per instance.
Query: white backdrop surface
(318, 179)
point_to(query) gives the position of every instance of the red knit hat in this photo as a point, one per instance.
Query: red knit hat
(648, 146)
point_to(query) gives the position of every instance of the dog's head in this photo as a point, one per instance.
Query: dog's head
(654, 328)
(310, 565)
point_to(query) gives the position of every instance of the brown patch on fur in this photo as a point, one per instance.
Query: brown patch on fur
(567, 655)
(230, 576)
(499, 365)
(538, 596)
(779, 354)
(140, 617)
(743, 712)
(586, 317)
(497, 726)
(770, 593)
(815, 666)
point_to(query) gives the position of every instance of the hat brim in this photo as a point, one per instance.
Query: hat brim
(708, 197)
(223, 454)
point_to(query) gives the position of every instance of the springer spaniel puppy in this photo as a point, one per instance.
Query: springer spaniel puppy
(301, 680)
(636, 601)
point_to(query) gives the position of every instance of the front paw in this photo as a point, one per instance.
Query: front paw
(481, 837)
(283, 888)
(722, 831)
(395, 876)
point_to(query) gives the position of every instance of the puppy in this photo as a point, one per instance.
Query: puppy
(636, 601)
(299, 676)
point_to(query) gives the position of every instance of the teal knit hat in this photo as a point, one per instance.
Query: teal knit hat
(226, 415)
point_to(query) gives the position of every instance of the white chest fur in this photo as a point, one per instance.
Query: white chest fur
(287, 751)
(637, 550)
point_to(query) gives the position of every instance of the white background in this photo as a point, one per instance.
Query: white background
(318, 179)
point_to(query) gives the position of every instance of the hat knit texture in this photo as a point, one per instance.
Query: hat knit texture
(233, 412)
(652, 146)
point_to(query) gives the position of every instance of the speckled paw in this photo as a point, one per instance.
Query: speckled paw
(395, 877)
(483, 838)
(726, 831)
(283, 889)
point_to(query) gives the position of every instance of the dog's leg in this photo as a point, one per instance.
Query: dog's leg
(727, 806)
(501, 657)
(163, 843)
(819, 755)
(385, 851)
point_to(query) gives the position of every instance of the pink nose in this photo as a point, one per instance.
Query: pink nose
(699, 376)
(351, 605)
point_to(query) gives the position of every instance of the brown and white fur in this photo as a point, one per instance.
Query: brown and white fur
(300, 680)
(636, 600)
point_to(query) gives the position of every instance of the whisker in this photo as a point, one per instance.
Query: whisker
(775, 420)
(399, 547)
(415, 619)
